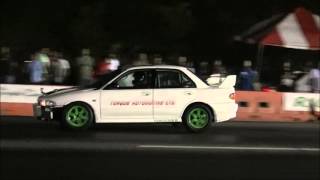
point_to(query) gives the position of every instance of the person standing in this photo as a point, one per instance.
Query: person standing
(102, 67)
(247, 77)
(85, 64)
(114, 62)
(35, 69)
(315, 79)
(218, 68)
(9, 69)
(65, 68)
(314, 75)
(61, 68)
(286, 80)
(4, 63)
(43, 57)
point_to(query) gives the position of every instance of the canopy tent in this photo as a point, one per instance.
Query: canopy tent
(299, 29)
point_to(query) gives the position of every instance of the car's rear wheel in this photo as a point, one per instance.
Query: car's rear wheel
(78, 116)
(197, 118)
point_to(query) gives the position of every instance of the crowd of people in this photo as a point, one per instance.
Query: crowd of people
(51, 67)
(305, 80)
(48, 66)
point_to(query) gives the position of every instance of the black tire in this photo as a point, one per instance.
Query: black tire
(197, 123)
(77, 116)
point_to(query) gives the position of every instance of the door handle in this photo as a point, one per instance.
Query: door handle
(188, 93)
(145, 93)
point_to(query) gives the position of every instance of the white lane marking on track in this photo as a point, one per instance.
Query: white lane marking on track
(229, 148)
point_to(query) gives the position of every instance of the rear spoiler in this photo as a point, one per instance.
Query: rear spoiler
(216, 80)
(229, 82)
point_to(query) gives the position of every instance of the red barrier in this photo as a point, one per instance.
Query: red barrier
(16, 109)
(265, 106)
(258, 105)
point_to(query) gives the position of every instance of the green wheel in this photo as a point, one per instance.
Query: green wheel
(197, 118)
(77, 116)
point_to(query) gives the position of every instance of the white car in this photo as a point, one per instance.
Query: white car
(144, 94)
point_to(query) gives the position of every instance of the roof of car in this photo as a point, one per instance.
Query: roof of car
(158, 67)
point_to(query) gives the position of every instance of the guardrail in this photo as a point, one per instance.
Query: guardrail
(16, 100)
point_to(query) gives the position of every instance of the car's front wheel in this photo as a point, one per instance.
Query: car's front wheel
(197, 117)
(77, 116)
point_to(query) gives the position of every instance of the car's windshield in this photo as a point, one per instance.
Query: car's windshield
(101, 81)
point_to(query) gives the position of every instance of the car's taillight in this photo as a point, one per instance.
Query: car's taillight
(232, 96)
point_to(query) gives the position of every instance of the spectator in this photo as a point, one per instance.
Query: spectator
(12, 72)
(35, 69)
(218, 68)
(114, 62)
(308, 80)
(315, 88)
(182, 61)
(191, 67)
(157, 60)
(61, 68)
(65, 68)
(102, 67)
(204, 70)
(43, 57)
(247, 77)
(287, 79)
(54, 67)
(4, 65)
(315, 78)
(85, 64)
(141, 60)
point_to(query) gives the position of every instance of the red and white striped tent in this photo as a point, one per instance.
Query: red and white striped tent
(299, 29)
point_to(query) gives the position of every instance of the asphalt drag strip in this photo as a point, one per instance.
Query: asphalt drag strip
(233, 150)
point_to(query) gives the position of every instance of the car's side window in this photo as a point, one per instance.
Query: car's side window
(138, 79)
(187, 82)
(173, 79)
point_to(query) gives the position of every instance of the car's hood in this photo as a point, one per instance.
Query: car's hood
(64, 91)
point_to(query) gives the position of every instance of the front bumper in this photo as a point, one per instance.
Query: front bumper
(43, 113)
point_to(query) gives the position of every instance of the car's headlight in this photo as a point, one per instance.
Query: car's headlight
(45, 102)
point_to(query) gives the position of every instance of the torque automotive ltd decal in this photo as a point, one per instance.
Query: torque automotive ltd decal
(142, 103)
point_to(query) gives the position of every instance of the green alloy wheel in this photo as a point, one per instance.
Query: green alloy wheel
(197, 118)
(78, 116)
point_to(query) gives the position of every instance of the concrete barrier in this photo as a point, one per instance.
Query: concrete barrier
(276, 106)
(258, 105)
(17, 100)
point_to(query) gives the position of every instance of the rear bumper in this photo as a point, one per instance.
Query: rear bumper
(224, 112)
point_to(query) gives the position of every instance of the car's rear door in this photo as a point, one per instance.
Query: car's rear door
(129, 98)
(173, 92)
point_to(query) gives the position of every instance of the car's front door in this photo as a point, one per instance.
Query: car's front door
(129, 98)
(173, 91)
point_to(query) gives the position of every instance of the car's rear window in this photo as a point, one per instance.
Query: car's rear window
(203, 80)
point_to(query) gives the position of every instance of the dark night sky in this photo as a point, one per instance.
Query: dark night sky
(203, 30)
(170, 26)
